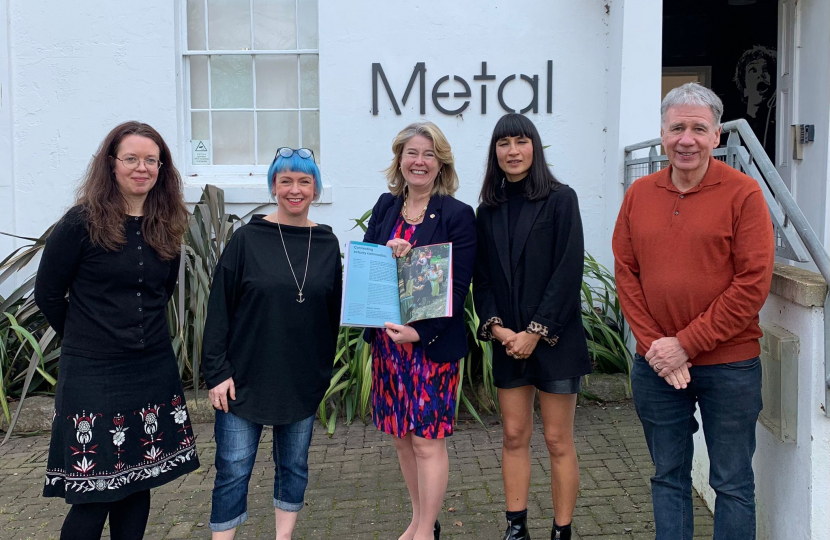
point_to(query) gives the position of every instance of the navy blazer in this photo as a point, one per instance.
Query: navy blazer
(446, 220)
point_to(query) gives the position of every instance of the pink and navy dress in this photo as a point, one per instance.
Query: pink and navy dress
(411, 393)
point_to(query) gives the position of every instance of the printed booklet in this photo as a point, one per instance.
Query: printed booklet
(377, 288)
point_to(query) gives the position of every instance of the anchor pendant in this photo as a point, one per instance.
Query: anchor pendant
(300, 300)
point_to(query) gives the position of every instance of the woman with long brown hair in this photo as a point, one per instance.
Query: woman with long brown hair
(120, 425)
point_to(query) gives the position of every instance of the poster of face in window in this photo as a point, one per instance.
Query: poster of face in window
(755, 78)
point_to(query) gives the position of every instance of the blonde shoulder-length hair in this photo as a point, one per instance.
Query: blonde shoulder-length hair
(446, 183)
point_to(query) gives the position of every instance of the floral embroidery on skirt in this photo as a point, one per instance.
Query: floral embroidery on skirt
(104, 452)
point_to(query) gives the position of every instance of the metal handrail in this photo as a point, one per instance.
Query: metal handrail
(643, 145)
(781, 195)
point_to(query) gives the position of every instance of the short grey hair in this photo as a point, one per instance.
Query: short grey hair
(692, 94)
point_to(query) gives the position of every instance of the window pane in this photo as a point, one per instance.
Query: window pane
(276, 82)
(229, 24)
(275, 25)
(198, 82)
(233, 138)
(199, 127)
(311, 131)
(309, 81)
(196, 25)
(307, 15)
(231, 82)
(276, 129)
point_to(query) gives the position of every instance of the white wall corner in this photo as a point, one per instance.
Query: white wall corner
(634, 63)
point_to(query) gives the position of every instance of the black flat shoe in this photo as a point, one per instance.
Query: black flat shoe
(437, 530)
(517, 529)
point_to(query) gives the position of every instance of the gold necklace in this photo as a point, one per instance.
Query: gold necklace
(420, 216)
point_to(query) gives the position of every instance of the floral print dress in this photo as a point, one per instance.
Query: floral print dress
(411, 393)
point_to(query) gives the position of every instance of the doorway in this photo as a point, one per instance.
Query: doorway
(731, 47)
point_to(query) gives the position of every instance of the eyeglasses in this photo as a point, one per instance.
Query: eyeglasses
(286, 152)
(131, 162)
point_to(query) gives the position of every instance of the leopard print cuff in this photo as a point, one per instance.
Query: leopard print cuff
(542, 330)
(485, 333)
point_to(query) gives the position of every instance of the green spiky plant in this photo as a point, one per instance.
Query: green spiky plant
(29, 348)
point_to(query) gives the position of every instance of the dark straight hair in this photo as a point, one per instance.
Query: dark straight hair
(540, 181)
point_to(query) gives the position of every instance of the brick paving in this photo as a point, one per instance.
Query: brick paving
(356, 490)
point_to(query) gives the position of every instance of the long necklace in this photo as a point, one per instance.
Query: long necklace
(420, 216)
(300, 298)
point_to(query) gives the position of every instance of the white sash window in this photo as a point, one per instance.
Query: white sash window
(251, 82)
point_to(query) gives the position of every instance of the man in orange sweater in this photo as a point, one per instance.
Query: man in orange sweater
(694, 251)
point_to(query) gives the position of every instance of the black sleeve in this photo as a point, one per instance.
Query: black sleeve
(462, 233)
(483, 297)
(374, 220)
(334, 301)
(224, 293)
(562, 295)
(58, 266)
(173, 276)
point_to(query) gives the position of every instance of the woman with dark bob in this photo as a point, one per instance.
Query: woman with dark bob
(527, 294)
(269, 343)
(120, 425)
(415, 367)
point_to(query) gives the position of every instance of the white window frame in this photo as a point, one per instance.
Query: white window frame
(241, 171)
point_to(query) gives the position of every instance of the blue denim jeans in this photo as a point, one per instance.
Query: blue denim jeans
(729, 396)
(236, 445)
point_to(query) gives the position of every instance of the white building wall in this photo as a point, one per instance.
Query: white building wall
(6, 135)
(791, 479)
(453, 38)
(76, 70)
(813, 107)
(633, 96)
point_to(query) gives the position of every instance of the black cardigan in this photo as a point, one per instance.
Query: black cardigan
(117, 299)
(446, 220)
(537, 284)
(280, 353)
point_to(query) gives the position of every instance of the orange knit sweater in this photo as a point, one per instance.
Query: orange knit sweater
(695, 265)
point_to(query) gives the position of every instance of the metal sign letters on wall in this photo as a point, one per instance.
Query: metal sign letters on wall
(419, 73)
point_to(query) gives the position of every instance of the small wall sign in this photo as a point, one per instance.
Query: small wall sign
(201, 152)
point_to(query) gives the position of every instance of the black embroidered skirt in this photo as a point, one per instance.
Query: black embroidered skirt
(119, 427)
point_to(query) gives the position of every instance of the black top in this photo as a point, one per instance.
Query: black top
(279, 352)
(535, 284)
(515, 200)
(446, 220)
(117, 299)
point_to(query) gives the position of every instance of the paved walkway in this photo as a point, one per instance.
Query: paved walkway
(356, 490)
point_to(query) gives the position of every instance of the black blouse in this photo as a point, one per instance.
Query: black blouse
(280, 353)
(117, 299)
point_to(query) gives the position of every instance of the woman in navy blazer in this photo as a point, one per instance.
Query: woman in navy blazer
(415, 373)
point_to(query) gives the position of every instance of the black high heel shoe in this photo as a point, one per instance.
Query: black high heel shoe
(517, 529)
(437, 530)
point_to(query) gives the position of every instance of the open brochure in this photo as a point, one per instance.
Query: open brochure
(377, 288)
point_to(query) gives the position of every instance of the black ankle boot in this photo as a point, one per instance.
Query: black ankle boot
(560, 533)
(517, 529)
(437, 530)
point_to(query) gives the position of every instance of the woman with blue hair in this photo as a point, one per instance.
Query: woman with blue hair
(269, 343)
